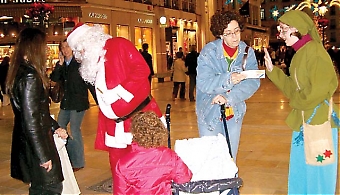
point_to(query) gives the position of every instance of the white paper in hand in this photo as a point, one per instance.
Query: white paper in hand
(254, 74)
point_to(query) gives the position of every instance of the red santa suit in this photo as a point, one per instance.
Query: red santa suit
(126, 72)
(123, 74)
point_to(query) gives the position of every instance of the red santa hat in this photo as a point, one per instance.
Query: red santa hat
(77, 32)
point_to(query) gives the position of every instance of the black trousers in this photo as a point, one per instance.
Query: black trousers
(3, 90)
(50, 189)
(181, 92)
(192, 85)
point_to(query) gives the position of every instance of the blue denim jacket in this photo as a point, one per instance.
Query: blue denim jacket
(213, 78)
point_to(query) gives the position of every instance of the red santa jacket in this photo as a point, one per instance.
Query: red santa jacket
(125, 70)
(149, 171)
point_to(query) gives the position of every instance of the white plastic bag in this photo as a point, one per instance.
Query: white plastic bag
(70, 185)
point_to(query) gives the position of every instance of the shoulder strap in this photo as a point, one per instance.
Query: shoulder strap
(244, 60)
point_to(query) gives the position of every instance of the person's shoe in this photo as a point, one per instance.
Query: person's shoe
(183, 99)
(77, 169)
(192, 100)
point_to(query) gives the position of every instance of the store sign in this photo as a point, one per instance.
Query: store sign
(21, 1)
(144, 21)
(97, 15)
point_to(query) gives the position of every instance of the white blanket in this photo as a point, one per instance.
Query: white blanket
(207, 157)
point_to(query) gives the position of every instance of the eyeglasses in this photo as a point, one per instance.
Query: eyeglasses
(283, 29)
(229, 33)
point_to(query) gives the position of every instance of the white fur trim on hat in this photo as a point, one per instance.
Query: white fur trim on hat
(78, 32)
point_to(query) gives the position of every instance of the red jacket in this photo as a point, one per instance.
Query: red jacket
(149, 171)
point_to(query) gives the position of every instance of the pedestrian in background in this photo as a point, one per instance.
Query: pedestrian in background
(148, 59)
(191, 64)
(3, 75)
(219, 79)
(74, 103)
(34, 157)
(179, 78)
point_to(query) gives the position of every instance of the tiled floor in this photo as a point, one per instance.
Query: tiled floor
(263, 153)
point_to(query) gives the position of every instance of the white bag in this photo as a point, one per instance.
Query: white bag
(207, 157)
(318, 140)
(70, 185)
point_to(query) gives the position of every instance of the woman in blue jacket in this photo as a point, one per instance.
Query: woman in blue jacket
(219, 79)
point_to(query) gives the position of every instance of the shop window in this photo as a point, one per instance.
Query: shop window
(332, 11)
(192, 6)
(106, 27)
(185, 5)
(123, 31)
(148, 2)
(175, 4)
(68, 26)
(58, 29)
(189, 40)
(262, 14)
(9, 29)
(13, 29)
(143, 35)
(52, 55)
(167, 3)
(6, 51)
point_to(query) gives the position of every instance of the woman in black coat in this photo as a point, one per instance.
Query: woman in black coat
(34, 158)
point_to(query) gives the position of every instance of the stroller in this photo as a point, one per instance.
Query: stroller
(206, 186)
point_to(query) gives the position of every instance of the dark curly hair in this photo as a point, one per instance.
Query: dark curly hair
(148, 130)
(220, 21)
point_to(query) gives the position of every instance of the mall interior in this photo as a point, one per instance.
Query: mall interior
(263, 156)
(262, 160)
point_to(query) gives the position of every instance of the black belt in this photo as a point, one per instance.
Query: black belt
(139, 108)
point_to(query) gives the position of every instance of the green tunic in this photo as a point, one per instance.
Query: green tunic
(317, 80)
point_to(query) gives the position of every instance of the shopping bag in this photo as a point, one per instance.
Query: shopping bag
(318, 141)
(318, 144)
(70, 185)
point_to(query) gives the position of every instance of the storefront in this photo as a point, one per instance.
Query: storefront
(138, 27)
(180, 33)
(97, 16)
(255, 36)
(13, 19)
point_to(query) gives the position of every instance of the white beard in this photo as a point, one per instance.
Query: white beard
(90, 65)
(90, 53)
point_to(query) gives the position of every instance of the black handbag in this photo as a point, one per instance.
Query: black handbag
(56, 91)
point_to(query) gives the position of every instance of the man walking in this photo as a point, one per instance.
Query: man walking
(191, 63)
(148, 59)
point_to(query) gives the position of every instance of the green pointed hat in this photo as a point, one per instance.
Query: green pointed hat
(302, 22)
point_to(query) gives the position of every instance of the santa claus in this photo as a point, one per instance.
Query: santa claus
(120, 75)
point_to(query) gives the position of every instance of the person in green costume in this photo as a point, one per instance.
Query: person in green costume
(311, 84)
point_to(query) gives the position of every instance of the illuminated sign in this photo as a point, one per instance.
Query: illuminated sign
(97, 15)
(144, 21)
(21, 1)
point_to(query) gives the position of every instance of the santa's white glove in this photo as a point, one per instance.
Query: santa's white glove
(109, 96)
